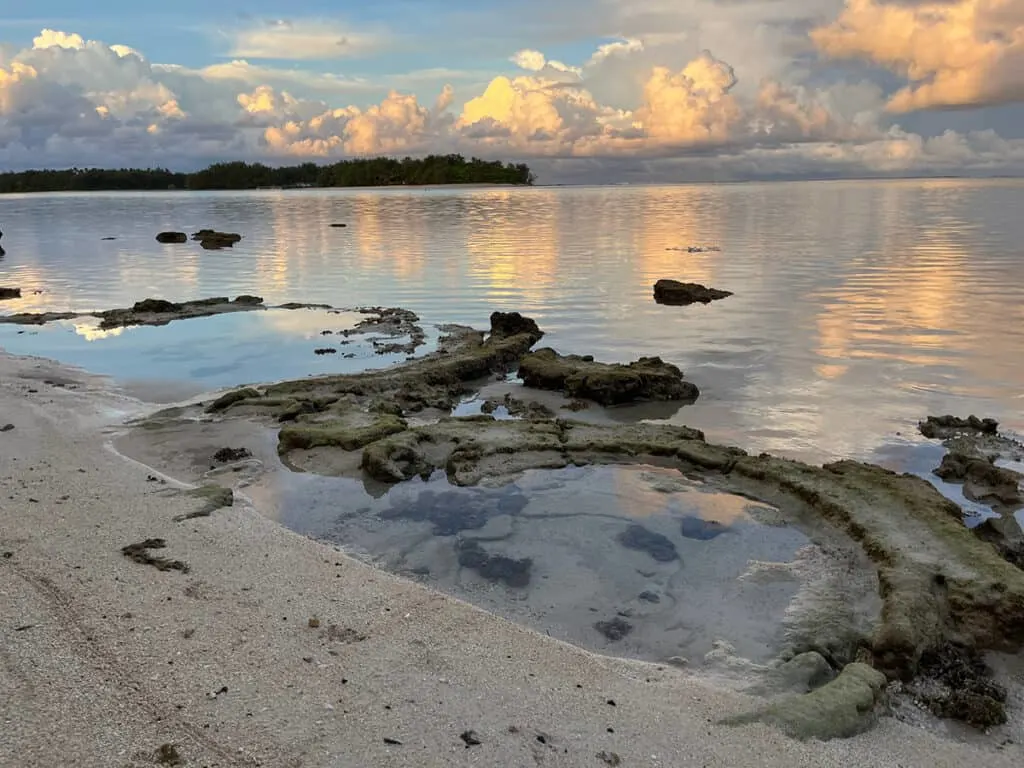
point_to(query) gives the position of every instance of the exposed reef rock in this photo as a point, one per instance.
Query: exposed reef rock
(649, 378)
(676, 293)
(161, 312)
(945, 427)
(938, 582)
(172, 237)
(434, 382)
(211, 239)
(974, 447)
(1005, 534)
(842, 708)
(956, 682)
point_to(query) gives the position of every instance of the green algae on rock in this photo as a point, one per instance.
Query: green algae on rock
(649, 378)
(841, 708)
(348, 438)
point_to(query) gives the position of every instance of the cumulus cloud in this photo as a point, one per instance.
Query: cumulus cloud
(306, 39)
(954, 53)
(646, 103)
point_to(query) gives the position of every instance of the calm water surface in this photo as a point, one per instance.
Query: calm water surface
(860, 307)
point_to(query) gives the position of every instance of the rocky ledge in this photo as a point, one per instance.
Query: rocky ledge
(649, 378)
(947, 594)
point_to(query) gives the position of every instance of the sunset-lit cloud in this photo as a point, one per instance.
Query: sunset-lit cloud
(954, 53)
(656, 89)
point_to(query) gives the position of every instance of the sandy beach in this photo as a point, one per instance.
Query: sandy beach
(264, 648)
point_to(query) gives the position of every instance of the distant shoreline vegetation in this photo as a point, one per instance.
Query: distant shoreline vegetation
(369, 172)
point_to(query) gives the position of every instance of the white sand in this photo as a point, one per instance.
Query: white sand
(96, 668)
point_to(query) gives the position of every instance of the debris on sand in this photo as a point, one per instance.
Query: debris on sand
(139, 553)
(649, 378)
(654, 544)
(675, 293)
(167, 754)
(471, 739)
(171, 237)
(10, 293)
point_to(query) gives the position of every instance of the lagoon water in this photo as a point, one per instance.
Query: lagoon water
(859, 306)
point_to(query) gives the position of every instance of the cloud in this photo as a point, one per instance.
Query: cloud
(956, 53)
(306, 40)
(645, 105)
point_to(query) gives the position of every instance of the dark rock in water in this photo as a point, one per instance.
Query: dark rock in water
(325, 351)
(614, 629)
(1005, 534)
(942, 427)
(496, 568)
(649, 597)
(6, 428)
(982, 479)
(654, 544)
(155, 306)
(452, 512)
(229, 455)
(507, 324)
(108, 238)
(966, 689)
(649, 378)
(10, 293)
(172, 237)
(703, 530)
(339, 226)
(680, 294)
(211, 239)
(246, 298)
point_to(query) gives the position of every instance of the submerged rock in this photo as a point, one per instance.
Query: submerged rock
(614, 629)
(172, 237)
(654, 544)
(496, 568)
(10, 293)
(700, 529)
(649, 378)
(680, 294)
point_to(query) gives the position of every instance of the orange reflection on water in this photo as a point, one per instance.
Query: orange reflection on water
(649, 491)
(513, 247)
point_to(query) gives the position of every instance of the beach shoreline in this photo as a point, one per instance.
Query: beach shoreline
(276, 650)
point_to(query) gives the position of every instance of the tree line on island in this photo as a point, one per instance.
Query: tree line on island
(364, 172)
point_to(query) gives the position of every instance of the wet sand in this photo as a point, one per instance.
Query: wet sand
(275, 650)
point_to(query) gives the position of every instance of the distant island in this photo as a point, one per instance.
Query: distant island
(369, 172)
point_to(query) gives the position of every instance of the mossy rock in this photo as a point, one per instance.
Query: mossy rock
(229, 399)
(348, 438)
(649, 378)
(840, 709)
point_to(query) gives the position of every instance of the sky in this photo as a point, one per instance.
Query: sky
(582, 90)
